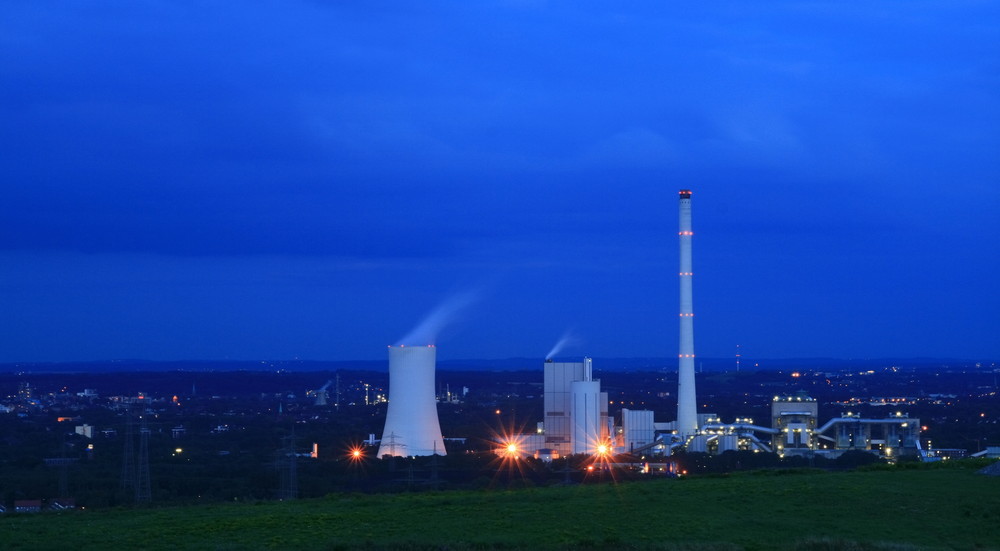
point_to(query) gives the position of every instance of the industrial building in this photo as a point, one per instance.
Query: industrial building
(577, 421)
(576, 411)
(576, 418)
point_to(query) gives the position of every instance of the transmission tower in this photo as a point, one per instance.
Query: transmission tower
(393, 445)
(62, 463)
(128, 462)
(63, 469)
(143, 490)
(434, 470)
(288, 463)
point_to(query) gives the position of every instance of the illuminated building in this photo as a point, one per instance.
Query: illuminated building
(411, 422)
(794, 419)
(576, 411)
(638, 428)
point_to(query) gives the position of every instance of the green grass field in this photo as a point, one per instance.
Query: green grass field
(877, 510)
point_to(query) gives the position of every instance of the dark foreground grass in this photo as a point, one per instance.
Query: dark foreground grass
(862, 511)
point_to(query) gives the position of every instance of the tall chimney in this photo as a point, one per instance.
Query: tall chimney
(687, 409)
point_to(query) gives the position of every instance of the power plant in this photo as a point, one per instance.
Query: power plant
(577, 421)
(411, 422)
(576, 418)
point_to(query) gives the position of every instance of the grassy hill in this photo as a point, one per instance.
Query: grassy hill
(878, 510)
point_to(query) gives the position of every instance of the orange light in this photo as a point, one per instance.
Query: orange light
(356, 453)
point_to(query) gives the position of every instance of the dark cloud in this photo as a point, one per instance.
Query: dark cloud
(834, 154)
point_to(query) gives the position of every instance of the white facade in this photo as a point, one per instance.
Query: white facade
(558, 401)
(411, 422)
(586, 415)
(687, 409)
(576, 411)
(85, 430)
(638, 428)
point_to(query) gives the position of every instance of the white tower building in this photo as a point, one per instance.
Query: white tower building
(558, 401)
(576, 411)
(586, 415)
(687, 409)
(411, 422)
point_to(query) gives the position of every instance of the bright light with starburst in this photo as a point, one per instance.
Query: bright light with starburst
(356, 454)
(602, 461)
(510, 448)
(512, 457)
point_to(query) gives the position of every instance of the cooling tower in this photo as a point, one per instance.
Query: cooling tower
(687, 411)
(411, 422)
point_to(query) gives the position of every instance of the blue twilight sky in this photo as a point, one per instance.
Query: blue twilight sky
(306, 179)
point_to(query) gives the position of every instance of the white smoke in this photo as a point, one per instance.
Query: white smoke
(426, 332)
(568, 339)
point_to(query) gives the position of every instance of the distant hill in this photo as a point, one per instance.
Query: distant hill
(508, 364)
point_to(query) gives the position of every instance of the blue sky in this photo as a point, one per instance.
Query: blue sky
(290, 179)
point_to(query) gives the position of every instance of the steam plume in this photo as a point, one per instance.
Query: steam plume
(568, 339)
(426, 332)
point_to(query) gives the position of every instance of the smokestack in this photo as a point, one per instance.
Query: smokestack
(687, 409)
(411, 422)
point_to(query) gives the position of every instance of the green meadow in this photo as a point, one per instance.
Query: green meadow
(881, 509)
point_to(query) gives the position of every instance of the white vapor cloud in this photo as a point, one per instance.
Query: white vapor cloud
(427, 331)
